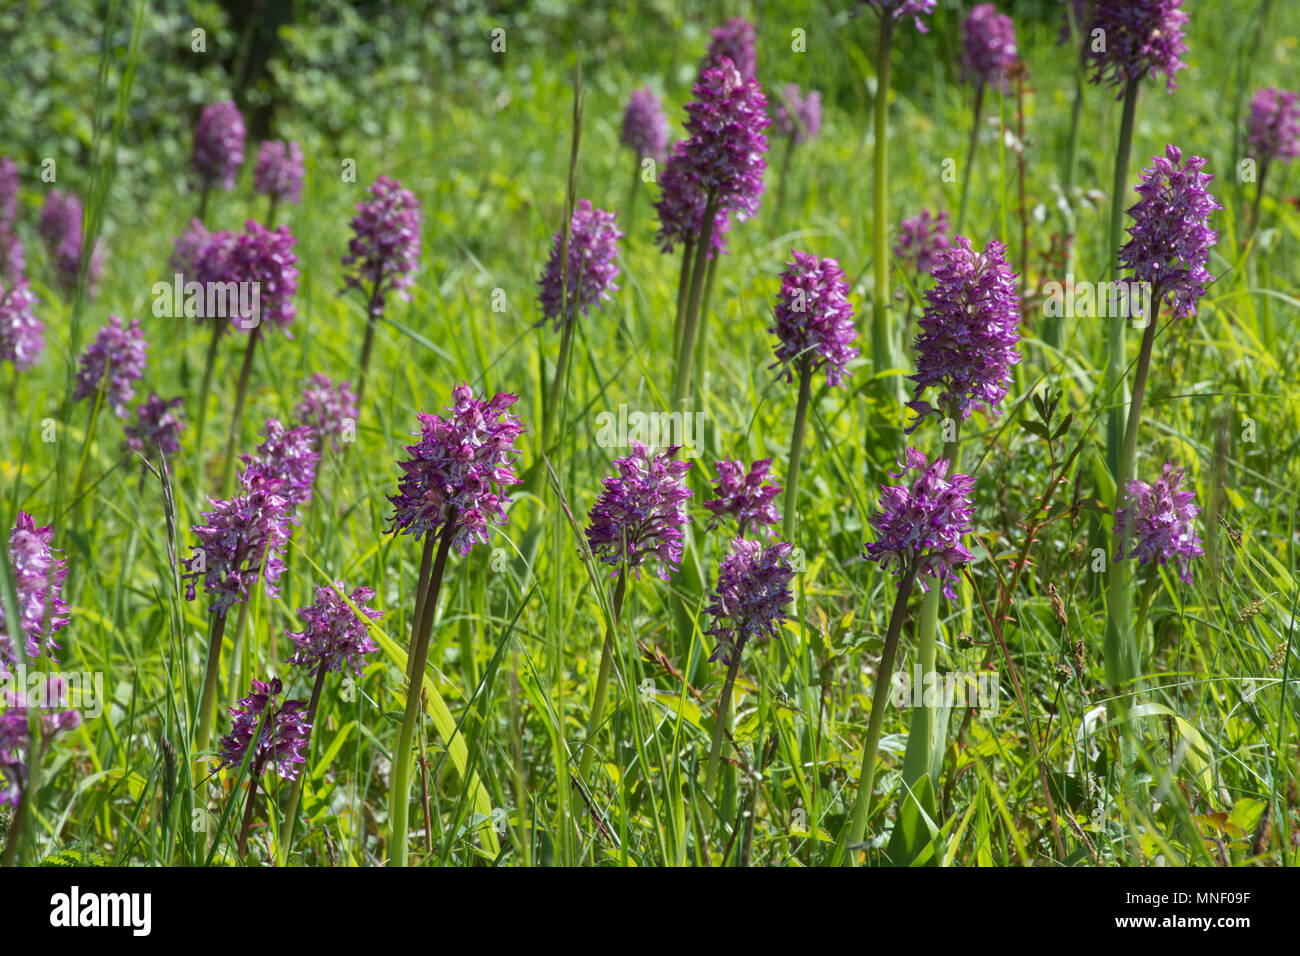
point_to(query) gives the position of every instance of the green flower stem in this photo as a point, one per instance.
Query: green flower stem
(920, 737)
(881, 350)
(690, 322)
(91, 425)
(1115, 342)
(1052, 330)
(295, 795)
(857, 825)
(421, 596)
(237, 417)
(367, 344)
(1123, 668)
(796, 448)
(970, 158)
(1076, 123)
(209, 365)
(247, 824)
(683, 290)
(568, 309)
(602, 679)
(702, 332)
(721, 720)
(399, 798)
(631, 202)
(1144, 606)
(1255, 204)
(238, 651)
(551, 413)
(208, 700)
(785, 177)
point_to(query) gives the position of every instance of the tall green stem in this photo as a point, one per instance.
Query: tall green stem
(702, 330)
(1115, 342)
(602, 678)
(1123, 668)
(91, 424)
(1255, 204)
(1076, 123)
(209, 364)
(400, 796)
(1052, 331)
(295, 795)
(690, 321)
(367, 344)
(1144, 606)
(920, 737)
(237, 417)
(720, 723)
(554, 396)
(238, 652)
(208, 700)
(857, 826)
(631, 202)
(881, 350)
(796, 448)
(247, 825)
(785, 177)
(683, 290)
(970, 158)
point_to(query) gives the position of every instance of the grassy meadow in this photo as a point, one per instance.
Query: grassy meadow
(1202, 767)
